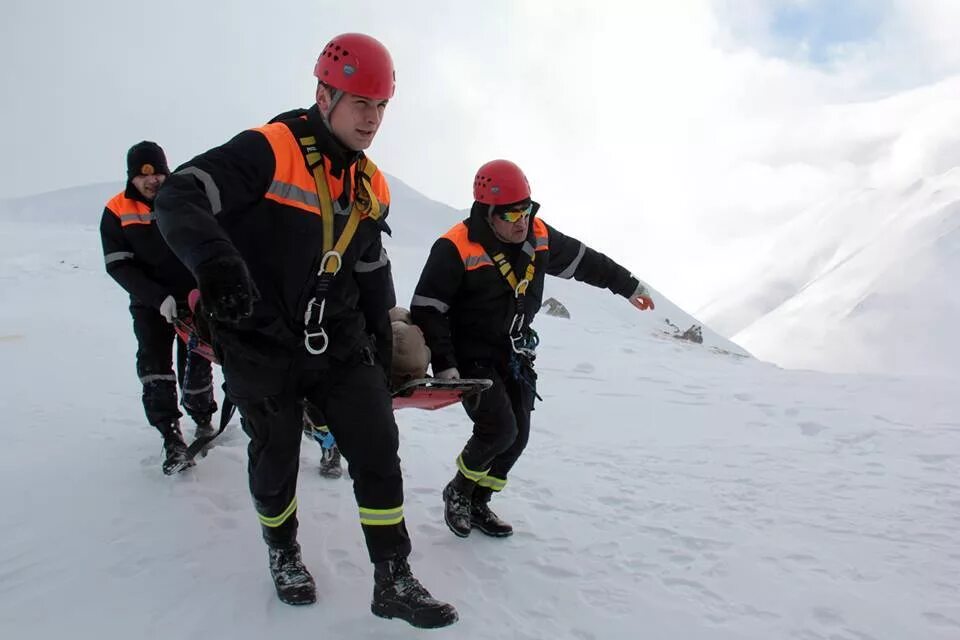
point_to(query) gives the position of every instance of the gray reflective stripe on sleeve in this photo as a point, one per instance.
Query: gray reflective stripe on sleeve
(133, 215)
(477, 261)
(209, 187)
(193, 392)
(158, 377)
(569, 271)
(543, 242)
(117, 256)
(528, 249)
(289, 191)
(366, 267)
(424, 301)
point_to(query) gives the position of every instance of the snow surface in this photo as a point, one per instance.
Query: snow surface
(670, 490)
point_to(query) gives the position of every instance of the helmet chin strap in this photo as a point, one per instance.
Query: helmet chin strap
(335, 95)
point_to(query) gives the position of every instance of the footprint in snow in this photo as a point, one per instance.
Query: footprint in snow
(551, 569)
(811, 429)
(935, 458)
(423, 491)
(940, 620)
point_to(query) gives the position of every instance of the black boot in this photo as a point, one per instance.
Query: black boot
(205, 427)
(330, 463)
(397, 594)
(174, 450)
(484, 519)
(293, 582)
(456, 505)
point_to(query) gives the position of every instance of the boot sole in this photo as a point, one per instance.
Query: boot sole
(389, 613)
(492, 534)
(177, 468)
(298, 599)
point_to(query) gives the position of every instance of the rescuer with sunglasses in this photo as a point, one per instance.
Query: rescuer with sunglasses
(477, 296)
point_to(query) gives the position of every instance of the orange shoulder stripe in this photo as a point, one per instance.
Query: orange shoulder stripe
(380, 187)
(541, 236)
(129, 211)
(292, 184)
(473, 254)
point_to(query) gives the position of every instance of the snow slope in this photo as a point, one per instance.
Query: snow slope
(860, 281)
(670, 490)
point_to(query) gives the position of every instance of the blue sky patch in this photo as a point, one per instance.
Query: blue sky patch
(818, 29)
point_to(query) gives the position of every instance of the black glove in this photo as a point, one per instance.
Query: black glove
(226, 288)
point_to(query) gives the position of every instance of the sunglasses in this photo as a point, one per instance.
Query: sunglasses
(516, 215)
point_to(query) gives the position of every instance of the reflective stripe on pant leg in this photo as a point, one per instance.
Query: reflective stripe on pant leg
(160, 401)
(155, 365)
(492, 483)
(273, 424)
(275, 521)
(157, 377)
(272, 416)
(469, 473)
(521, 399)
(494, 427)
(193, 392)
(274, 458)
(381, 517)
(355, 401)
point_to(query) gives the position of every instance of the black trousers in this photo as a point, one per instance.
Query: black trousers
(501, 426)
(354, 398)
(155, 338)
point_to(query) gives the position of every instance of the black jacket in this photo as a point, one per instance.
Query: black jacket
(465, 314)
(216, 205)
(135, 253)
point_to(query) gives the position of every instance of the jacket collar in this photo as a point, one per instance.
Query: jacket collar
(341, 157)
(132, 193)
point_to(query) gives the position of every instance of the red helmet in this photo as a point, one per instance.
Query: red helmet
(358, 64)
(500, 182)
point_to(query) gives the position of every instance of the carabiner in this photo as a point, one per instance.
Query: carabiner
(310, 305)
(330, 255)
(309, 335)
(516, 325)
(521, 289)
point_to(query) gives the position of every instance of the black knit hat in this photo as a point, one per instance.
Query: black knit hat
(146, 158)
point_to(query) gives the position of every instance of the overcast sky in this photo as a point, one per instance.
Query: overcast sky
(667, 134)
